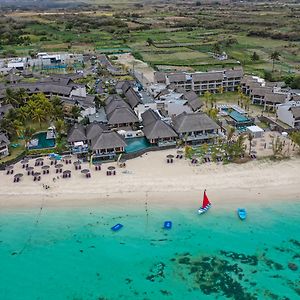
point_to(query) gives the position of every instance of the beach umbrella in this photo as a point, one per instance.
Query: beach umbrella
(52, 158)
(36, 174)
(58, 166)
(170, 156)
(67, 157)
(98, 163)
(76, 163)
(111, 168)
(29, 168)
(66, 172)
(45, 167)
(85, 171)
(24, 161)
(179, 152)
(8, 168)
(19, 175)
(39, 159)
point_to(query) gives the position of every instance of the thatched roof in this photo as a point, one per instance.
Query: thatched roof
(108, 140)
(159, 129)
(193, 100)
(296, 112)
(149, 116)
(77, 134)
(132, 97)
(160, 77)
(208, 76)
(4, 141)
(176, 77)
(275, 98)
(94, 129)
(122, 115)
(114, 104)
(193, 122)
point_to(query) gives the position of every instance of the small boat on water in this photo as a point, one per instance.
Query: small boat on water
(117, 227)
(205, 204)
(242, 213)
(167, 225)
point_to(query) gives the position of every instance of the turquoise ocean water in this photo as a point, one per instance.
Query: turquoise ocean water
(73, 254)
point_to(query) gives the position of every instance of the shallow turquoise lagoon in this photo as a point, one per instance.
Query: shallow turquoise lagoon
(73, 254)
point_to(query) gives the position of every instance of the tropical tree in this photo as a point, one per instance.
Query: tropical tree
(60, 127)
(75, 112)
(275, 55)
(250, 138)
(213, 113)
(254, 56)
(149, 41)
(10, 97)
(27, 133)
(207, 97)
(39, 116)
(221, 89)
(277, 147)
(230, 132)
(22, 114)
(295, 137)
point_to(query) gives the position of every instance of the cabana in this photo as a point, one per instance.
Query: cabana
(256, 131)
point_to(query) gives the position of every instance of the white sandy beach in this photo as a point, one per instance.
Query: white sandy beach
(150, 179)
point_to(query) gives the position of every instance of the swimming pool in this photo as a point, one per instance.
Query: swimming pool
(42, 141)
(136, 144)
(238, 117)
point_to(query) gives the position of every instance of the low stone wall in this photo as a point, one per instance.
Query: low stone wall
(143, 151)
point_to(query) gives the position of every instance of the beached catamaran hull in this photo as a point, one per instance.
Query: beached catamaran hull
(242, 213)
(205, 204)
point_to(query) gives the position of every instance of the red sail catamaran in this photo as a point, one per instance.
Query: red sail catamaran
(205, 204)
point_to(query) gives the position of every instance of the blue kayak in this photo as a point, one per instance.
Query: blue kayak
(117, 227)
(167, 225)
(242, 213)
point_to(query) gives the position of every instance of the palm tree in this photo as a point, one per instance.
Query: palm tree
(39, 116)
(60, 127)
(75, 112)
(275, 57)
(207, 96)
(230, 133)
(250, 138)
(10, 97)
(22, 114)
(28, 132)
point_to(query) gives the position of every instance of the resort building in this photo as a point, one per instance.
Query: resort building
(108, 145)
(4, 143)
(119, 113)
(200, 82)
(196, 128)
(157, 131)
(289, 113)
(77, 139)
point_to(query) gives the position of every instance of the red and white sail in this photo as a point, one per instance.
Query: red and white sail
(205, 204)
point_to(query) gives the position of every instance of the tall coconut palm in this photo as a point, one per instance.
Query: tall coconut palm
(275, 55)
(60, 127)
(207, 96)
(250, 138)
(230, 133)
(75, 112)
(28, 133)
(39, 116)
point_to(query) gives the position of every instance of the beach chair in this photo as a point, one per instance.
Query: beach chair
(114, 172)
(12, 172)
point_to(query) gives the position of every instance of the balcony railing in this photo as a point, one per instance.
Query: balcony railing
(105, 155)
(166, 143)
(199, 137)
(80, 150)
